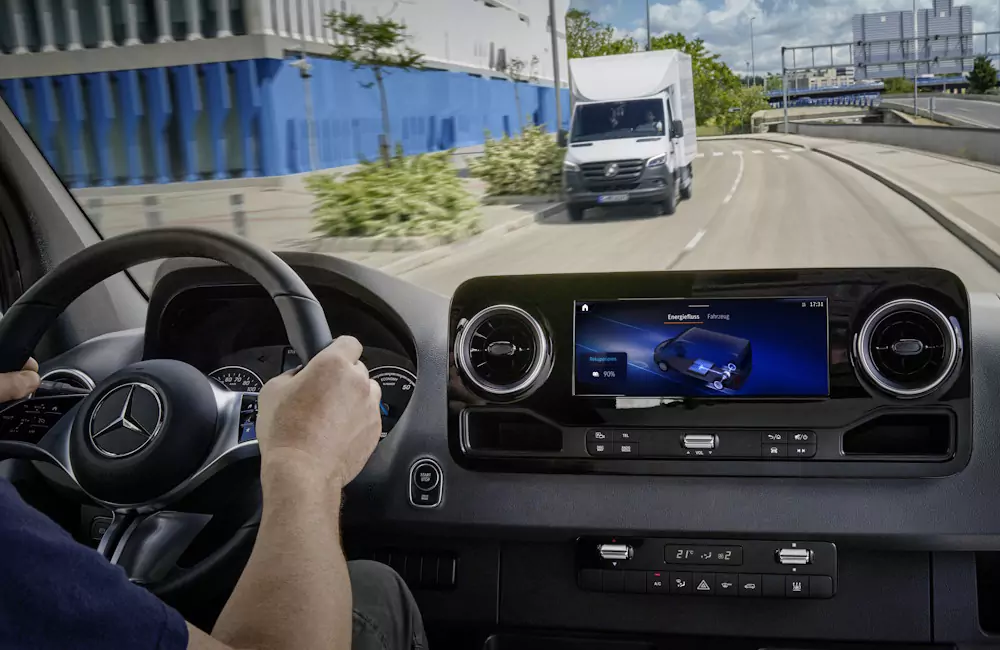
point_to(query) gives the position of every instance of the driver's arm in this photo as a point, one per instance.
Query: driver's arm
(316, 431)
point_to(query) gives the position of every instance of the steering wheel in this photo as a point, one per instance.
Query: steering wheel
(152, 432)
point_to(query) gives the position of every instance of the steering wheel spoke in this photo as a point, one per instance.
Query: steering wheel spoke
(148, 546)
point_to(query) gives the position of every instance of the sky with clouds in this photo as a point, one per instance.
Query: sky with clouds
(724, 25)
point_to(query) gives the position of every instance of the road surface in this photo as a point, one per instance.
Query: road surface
(976, 112)
(756, 205)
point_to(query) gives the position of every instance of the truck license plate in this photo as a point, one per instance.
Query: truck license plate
(612, 198)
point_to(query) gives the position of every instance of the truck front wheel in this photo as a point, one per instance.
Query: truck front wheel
(673, 196)
(686, 192)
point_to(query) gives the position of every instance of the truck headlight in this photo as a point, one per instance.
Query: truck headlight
(570, 166)
(657, 161)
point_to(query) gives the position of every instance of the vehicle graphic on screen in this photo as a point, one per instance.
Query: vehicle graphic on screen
(716, 361)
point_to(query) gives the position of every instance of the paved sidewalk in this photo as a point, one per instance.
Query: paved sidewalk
(961, 195)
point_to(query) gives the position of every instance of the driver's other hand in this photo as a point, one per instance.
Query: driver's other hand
(325, 417)
(15, 385)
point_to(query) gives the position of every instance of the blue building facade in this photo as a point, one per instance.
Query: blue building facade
(149, 92)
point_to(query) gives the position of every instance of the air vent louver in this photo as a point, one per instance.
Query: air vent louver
(908, 348)
(503, 351)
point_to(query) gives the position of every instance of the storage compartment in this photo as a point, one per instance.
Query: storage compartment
(988, 590)
(500, 431)
(903, 435)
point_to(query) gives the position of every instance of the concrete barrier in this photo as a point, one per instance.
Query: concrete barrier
(980, 145)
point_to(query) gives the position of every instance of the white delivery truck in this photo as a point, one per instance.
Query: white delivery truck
(632, 137)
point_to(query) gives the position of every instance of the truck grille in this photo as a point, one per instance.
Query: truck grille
(627, 177)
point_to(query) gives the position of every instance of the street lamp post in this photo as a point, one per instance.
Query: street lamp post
(916, 57)
(748, 74)
(649, 34)
(753, 59)
(553, 23)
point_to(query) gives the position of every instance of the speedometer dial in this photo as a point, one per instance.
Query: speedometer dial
(397, 388)
(238, 378)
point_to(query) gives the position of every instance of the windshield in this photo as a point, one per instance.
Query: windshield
(439, 140)
(609, 120)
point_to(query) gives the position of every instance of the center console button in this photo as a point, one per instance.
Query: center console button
(800, 450)
(773, 586)
(802, 437)
(772, 437)
(599, 435)
(657, 582)
(629, 449)
(613, 581)
(680, 582)
(749, 585)
(797, 586)
(625, 436)
(635, 582)
(726, 584)
(776, 450)
(704, 584)
(599, 448)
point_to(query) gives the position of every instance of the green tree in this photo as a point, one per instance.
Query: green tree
(746, 101)
(898, 86)
(519, 71)
(378, 45)
(983, 75)
(773, 82)
(714, 81)
(587, 37)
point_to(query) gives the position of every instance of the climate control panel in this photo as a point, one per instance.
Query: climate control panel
(705, 567)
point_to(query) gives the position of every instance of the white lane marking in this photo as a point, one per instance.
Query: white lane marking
(777, 151)
(699, 155)
(717, 153)
(736, 183)
(783, 157)
(758, 151)
(738, 152)
(694, 240)
(796, 150)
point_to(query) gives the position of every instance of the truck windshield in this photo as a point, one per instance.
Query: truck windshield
(610, 120)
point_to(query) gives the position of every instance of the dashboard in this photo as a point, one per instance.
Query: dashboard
(235, 335)
(818, 447)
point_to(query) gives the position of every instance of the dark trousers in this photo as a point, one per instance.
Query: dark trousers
(385, 615)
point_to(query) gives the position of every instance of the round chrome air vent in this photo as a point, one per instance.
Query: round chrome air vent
(908, 348)
(503, 351)
(71, 376)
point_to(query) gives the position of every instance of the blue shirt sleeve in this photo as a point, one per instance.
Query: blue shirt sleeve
(58, 594)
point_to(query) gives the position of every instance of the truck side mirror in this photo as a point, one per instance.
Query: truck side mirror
(677, 129)
(561, 139)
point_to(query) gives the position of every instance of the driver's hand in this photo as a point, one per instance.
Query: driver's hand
(15, 385)
(325, 417)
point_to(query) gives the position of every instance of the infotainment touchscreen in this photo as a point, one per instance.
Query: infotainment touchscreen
(731, 347)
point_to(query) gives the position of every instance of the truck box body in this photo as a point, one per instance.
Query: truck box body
(637, 75)
(623, 147)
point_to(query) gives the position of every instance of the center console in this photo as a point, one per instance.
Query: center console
(812, 372)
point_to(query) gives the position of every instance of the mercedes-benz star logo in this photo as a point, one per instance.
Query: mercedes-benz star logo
(611, 170)
(126, 420)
